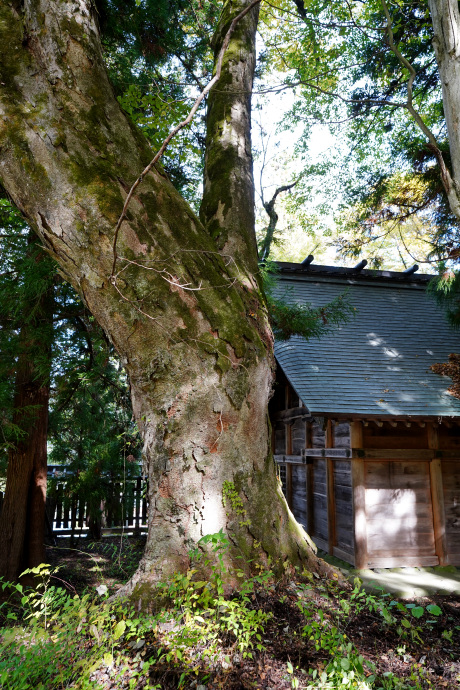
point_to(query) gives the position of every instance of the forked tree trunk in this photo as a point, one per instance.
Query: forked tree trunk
(189, 322)
(22, 518)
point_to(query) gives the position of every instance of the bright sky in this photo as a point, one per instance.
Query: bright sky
(278, 166)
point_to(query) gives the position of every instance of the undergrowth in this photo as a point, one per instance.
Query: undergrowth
(52, 639)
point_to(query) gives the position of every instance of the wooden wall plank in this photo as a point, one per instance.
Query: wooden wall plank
(329, 443)
(451, 490)
(298, 436)
(359, 497)
(309, 481)
(395, 561)
(289, 485)
(299, 498)
(439, 518)
(359, 511)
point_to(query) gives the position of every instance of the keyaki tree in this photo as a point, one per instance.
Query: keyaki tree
(178, 295)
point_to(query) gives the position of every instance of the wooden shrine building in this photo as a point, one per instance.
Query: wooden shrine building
(366, 435)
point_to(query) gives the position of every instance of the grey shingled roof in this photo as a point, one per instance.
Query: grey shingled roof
(378, 363)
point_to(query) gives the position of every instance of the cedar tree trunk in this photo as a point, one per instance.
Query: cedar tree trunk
(183, 309)
(22, 518)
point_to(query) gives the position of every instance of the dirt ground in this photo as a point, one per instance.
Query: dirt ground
(431, 659)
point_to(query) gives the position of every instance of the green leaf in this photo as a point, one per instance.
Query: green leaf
(434, 610)
(345, 663)
(290, 667)
(406, 623)
(418, 611)
(108, 659)
(119, 629)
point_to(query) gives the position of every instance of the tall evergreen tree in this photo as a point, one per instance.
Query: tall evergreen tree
(26, 314)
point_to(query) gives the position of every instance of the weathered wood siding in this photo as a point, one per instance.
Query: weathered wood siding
(341, 434)
(298, 436)
(399, 515)
(343, 510)
(299, 494)
(451, 486)
(320, 532)
(407, 498)
(399, 436)
(280, 438)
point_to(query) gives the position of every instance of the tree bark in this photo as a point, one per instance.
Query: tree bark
(189, 323)
(446, 42)
(227, 208)
(22, 518)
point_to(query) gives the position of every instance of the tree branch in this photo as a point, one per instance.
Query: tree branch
(178, 128)
(273, 216)
(433, 144)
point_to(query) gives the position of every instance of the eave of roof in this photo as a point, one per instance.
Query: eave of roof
(377, 365)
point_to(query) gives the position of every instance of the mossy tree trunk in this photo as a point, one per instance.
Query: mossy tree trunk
(184, 310)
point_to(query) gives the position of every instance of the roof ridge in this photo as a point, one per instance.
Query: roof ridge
(347, 271)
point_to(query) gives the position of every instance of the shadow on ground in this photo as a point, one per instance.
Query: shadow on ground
(406, 583)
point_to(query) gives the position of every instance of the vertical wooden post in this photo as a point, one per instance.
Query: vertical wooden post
(288, 447)
(331, 531)
(437, 497)
(359, 498)
(287, 395)
(309, 480)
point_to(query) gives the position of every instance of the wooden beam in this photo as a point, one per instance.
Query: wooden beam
(437, 497)
(439, 517)
(326, 452)
(393, 423)
(359, 496)
(432, 435)
(378, 422)
(294, 459)
(359, 512)
(309, 480)
(356, 435)
(415, 454)
(331, 527)
(289, 485)
(288, 439)
(288, 465)
(329, 436)
(291, 414)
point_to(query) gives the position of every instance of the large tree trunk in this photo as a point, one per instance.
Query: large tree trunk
(22, 518)
(446, 42)
(189, 323)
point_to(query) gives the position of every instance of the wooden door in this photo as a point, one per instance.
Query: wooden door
(399, 515)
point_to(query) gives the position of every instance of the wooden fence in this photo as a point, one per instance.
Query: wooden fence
(123, 508)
